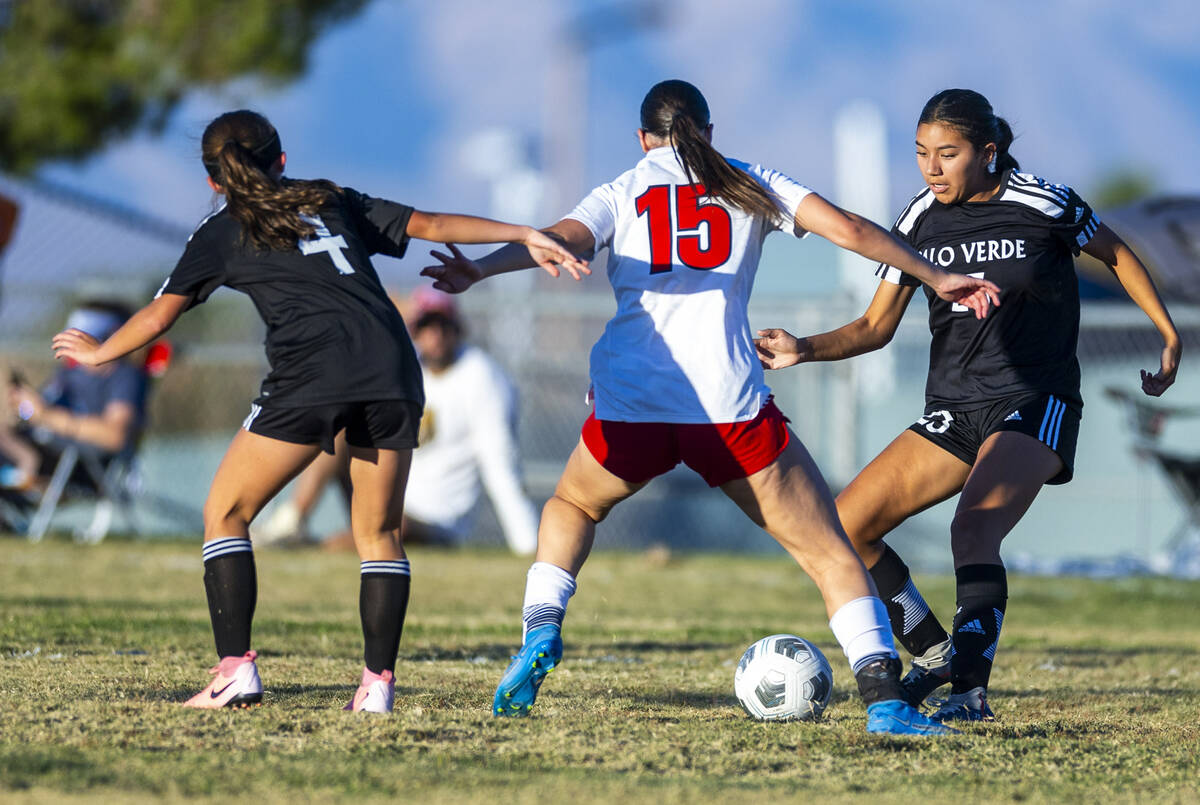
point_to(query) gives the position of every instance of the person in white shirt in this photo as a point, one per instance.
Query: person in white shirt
(675, 377)
(467, 442)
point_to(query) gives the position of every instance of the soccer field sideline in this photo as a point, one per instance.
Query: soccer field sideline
(1096, 687)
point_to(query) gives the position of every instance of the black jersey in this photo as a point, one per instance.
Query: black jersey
(332, 333)
(1024, 239)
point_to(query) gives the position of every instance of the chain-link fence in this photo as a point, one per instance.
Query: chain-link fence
(541, 332)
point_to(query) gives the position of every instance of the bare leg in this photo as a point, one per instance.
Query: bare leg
(1008, 474)
(585, 495)
(377, 506)
(252, 472)
(311, 483)
(909, 476)
(22, 454)
(790, 500)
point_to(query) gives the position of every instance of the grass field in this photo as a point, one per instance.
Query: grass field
(1096, 692)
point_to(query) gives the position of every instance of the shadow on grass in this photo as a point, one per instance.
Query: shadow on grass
(1044, 693)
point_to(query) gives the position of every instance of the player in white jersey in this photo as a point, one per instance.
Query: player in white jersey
(1003, 402)
(675, 378)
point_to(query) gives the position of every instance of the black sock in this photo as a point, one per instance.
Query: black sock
(879, 680)
(231, 584)
(982, 598)
(913, 623)
(382, 602)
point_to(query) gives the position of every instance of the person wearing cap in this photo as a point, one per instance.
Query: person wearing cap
(467, 442)
(102, 407)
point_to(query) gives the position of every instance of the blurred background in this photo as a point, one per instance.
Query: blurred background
(516, 110)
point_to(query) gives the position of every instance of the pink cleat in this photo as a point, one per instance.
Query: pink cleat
(375, 694)
(235, 684)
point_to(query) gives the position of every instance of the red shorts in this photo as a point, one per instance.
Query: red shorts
(639, 451)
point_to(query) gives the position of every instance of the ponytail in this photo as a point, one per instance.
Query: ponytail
(240, 150)
(971, 115)
(676, 111)
(1004, 160)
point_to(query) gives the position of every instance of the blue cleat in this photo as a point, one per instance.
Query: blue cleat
(518, 688)
(896, 717)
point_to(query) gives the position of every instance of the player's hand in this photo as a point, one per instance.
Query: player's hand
(78, 346)
(778, 349)
(548, 254)
(971, 292)
(1154, 385)
(456, 272)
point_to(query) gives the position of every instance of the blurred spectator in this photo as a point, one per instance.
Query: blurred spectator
(103, 408)
(467, 441)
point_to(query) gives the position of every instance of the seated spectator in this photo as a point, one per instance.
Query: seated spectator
(102, 408)
(467, 441)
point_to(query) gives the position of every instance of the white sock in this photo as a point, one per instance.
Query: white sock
(547, 588)
(863, 629)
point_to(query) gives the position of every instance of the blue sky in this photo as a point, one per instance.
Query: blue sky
(393, 93)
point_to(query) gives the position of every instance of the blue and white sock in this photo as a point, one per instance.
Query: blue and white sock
(547, 589)
(864, 631)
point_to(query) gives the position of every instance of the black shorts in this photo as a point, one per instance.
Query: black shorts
(1045, 417)
(384, 424)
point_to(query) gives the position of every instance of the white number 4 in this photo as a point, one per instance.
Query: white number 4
(324, 241)
(956, 307)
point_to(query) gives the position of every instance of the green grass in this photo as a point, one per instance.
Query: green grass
(1097, 688)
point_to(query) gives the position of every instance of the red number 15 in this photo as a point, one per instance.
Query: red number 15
(655, 203)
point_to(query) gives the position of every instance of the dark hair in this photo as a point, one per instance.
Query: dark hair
(239, 149)
(113, 307)
(676, 111)
(970, 114)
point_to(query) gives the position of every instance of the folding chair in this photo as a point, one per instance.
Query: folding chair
(110, 481)
(1147, 420)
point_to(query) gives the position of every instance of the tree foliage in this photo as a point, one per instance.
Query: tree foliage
(75, 74)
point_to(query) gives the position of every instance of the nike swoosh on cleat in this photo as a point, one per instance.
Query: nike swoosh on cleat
(217, 693)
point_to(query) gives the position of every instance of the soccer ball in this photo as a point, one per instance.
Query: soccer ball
(783, 678)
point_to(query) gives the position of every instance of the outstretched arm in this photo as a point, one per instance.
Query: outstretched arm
(532, 244)
(456, 273)
(853, 232)
(872, 330)
(143, 327)
(1108, 247)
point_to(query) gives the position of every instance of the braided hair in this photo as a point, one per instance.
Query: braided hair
(239, 150)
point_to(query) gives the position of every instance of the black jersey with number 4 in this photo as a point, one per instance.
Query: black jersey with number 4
(332, 333)
(1024, 239)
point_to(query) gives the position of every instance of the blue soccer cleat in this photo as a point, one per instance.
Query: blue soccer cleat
(896, 717)
(518, 688)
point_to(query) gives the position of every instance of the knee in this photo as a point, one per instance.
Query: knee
(972, 539)
(564, 499)
(866, 535)
(218, 511)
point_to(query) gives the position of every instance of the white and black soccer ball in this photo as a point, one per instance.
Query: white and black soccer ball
(783, 678)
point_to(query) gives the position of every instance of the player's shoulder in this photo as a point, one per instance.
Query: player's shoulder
(1038, 194)
(217, 226)
(914, 210)
(762, 173)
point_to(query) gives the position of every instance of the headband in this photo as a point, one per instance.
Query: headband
(263, 155)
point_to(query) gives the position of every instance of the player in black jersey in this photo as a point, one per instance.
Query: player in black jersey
(340, 358)
(1002, 399)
